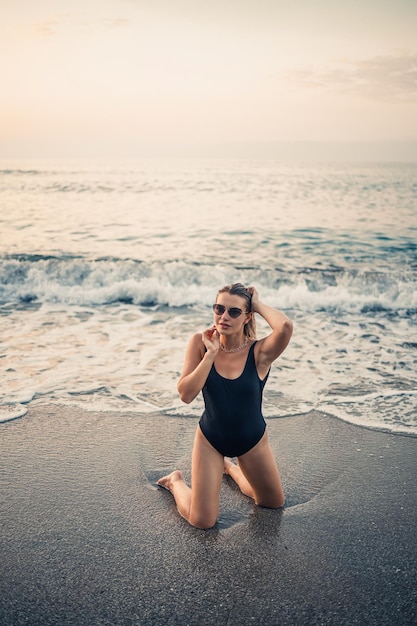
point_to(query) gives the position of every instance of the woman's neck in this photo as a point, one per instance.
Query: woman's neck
(234, 344)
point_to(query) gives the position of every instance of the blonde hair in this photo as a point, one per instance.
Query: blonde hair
(237, 289)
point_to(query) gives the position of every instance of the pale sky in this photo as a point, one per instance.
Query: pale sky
(110, 76)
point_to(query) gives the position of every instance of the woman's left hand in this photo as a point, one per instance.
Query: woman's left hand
(255, 297)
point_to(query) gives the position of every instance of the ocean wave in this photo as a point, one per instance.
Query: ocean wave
(26, 279)
(395, 409)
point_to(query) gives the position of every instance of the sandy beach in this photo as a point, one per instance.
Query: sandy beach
(87, 538)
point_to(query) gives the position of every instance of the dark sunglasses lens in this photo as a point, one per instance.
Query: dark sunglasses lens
(219, 309)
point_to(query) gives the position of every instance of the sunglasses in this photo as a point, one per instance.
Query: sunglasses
(234, 312)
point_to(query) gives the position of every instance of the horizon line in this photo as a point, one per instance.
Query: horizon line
(366, 150)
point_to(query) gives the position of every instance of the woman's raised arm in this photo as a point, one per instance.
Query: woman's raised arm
(274, 344)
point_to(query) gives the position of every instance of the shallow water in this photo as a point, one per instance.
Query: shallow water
(105, 272)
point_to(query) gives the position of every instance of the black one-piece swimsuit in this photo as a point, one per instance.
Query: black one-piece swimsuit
(232, 421)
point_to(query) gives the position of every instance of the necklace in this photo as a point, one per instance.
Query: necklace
(236, 349)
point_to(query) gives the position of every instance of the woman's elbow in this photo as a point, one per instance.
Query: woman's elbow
(286, 331)
(288, 327)
(185, 396)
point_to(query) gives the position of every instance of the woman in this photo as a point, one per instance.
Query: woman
(230, 367)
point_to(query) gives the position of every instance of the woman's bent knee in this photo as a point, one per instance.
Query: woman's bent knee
(203, 517)
(203, 522)
(275, 502)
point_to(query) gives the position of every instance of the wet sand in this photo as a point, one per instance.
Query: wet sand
(87, 538)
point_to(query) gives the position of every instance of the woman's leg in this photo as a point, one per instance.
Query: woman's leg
(200, 504)
(257, 475)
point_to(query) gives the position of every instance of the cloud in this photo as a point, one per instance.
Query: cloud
(46, 28)
(51, 27)
(381, 77)
(116, 22)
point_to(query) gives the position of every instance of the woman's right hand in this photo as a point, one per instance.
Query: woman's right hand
(211, 340)
(197, 365)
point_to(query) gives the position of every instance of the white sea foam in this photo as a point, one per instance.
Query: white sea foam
(176, 284)
(10, 412)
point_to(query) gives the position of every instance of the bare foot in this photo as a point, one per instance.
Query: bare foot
(227, 464)
(167, 481)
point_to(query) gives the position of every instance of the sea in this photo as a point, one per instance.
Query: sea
(107, 269)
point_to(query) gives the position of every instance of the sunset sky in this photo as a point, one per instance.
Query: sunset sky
(122, 76)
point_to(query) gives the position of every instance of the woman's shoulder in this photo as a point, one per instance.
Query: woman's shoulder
(196, 343)
(196, 339)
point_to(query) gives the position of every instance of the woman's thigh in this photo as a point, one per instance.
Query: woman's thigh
(260, 469)
(206, 477)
